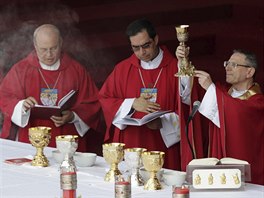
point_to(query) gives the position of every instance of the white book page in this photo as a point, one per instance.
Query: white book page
(229, 160)
(204, 161)
(65, 98)
(139, 122)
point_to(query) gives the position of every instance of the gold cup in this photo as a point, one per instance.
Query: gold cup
(186, 67)
(39, 137)
(113, 154)
(153, 162)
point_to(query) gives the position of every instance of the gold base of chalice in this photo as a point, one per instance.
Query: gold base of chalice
(186, 69)
(113, 154)
(153, 162)
(39, 137)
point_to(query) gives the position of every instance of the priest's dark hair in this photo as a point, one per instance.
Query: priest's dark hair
(139, 26)
(251, 58)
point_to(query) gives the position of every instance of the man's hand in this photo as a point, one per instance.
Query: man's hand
(155, 124)
(67, 116)
(204, 78)
(182, 52)
(29, 103)
(142, 104)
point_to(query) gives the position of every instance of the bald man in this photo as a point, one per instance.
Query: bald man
(44, 77)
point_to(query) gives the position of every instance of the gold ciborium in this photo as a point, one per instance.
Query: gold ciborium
(39, 137)
(186, 67)
(134, 162)
(153, 162)
(113, 154)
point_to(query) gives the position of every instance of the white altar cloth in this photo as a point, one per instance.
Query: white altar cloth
(26, 181)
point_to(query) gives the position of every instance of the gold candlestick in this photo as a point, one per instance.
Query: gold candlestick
(39, 137)
(186, 67)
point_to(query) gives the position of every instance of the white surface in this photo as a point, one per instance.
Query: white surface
(25, 181)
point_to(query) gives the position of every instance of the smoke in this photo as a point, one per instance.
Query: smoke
(18, 22)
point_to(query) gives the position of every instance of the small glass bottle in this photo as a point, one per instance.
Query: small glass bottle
(123, 186)
(68, 178)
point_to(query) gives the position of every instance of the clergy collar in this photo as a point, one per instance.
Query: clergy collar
(53, 67)
(246, 94)
(154, 63)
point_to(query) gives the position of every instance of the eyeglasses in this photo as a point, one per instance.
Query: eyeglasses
(232, 64)
(146, 45)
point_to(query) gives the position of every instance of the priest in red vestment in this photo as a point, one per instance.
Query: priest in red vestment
(44, 77)
(237, 114)
(142, 84)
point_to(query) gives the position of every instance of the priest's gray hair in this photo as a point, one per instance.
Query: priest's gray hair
(46, 26)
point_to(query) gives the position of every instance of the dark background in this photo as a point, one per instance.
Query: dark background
(94, 30)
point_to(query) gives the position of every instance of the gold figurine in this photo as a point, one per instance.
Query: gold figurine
(210, 179)
(186, 67)
(236, 179)
(197, 180)
(223, 178)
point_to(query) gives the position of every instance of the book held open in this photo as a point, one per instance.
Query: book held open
(45, 112)
(139, 122)
(215, 161)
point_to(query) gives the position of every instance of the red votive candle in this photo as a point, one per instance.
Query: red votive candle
(123, 186)
(180, 192)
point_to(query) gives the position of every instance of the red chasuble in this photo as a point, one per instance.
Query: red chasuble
(125, 82)
(24, 80)
(241, 132)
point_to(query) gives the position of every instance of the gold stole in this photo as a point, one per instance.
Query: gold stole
(254, 89)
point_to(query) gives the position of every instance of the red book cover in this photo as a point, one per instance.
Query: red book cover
(17, 161)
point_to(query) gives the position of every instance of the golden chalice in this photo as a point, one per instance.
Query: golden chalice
(186, 67)
(113, 154)
(39, 137)
(153, 162)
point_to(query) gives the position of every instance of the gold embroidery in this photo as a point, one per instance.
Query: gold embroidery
(255, 89)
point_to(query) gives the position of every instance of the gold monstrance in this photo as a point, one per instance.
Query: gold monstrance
(186, 67)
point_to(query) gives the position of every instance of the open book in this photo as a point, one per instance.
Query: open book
(215, 161)
(139, 122)
(45, 112)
